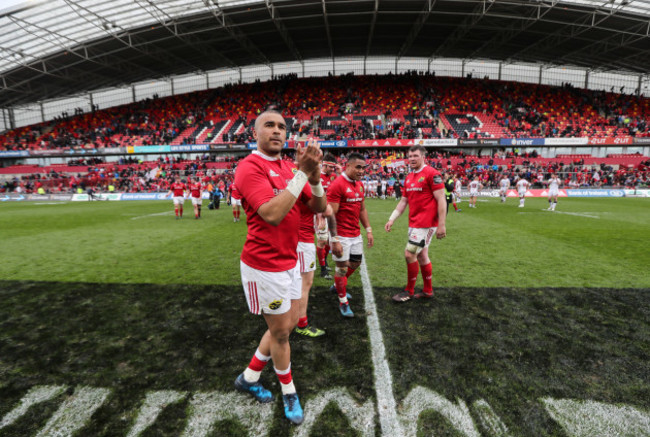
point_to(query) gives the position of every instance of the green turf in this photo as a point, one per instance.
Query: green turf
(530, 304)
(493, 245)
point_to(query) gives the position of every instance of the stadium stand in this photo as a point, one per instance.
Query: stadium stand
(340, 108)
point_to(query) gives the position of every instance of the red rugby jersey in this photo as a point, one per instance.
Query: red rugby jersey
(349, 195)
(418, 190)
(178, 188)
(259, 179)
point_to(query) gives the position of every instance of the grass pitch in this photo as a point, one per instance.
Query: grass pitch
(530, 304)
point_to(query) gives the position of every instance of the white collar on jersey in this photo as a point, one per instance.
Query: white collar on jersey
(346, 177)
(268, 158)
(421, 168)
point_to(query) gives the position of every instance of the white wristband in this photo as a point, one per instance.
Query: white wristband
(296, 184)
(368, 229)
(317, 190)
(393, 216)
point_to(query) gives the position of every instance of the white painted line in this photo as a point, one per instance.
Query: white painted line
(153, 215)
(591, 418)
(74, 412)
(361, 417)
(35, 396)
(386, 407)
(578, 214)
(208, 408)
(421, 399)
(490, 420)
(154, 403)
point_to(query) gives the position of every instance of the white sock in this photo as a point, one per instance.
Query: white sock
(286, 388)
(252, 376)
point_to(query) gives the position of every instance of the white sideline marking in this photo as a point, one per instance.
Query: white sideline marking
(421, 399)
(362, 417)
(490, 420)
(152, 215)
(386, 407)
(208, 408)
(74, 412)
(597, 419)
(578, 214)
(34, 396)
(154, 403)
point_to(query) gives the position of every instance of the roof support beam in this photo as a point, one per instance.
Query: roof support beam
(371, 33)
(282, 29)
(192, 43)
(327, 31)
(514, 29)
(420, 20)
(465, 27)
(235, 33)
(85, 14)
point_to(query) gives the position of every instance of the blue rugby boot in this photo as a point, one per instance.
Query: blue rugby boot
(256, 389)
(345, 310)
(292, 409)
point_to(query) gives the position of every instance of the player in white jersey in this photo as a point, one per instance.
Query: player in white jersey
(458, 185)
(522, 187)
(553, 191)
(384, 187)
(504, 184)
(474, 187)
(372, 185)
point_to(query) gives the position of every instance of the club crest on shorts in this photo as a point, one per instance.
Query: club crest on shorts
(275, 304)
(311, 266)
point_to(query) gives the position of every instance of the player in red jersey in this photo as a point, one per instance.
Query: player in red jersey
(346, 197)
(178, 188)
(196, 193)
(328, 174)
(307, 263)
(235, 202)
(424, 194)
(270, 187)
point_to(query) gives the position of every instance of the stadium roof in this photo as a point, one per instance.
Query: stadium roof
(56, 48)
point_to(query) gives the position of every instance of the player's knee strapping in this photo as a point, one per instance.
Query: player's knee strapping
(414, 246)
(356, 258)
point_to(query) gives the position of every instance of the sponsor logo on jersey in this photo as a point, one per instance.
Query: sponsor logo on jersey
(273, 174)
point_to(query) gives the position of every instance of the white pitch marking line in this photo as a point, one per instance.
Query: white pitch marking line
(153, 215)
(386, 406)
(579, 214)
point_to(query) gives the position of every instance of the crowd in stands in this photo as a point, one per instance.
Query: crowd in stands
(409, 105)
(386, 164)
